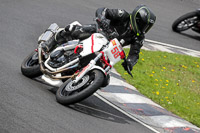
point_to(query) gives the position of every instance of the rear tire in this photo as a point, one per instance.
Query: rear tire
(83, 89)
(31, 68)
(176, 26)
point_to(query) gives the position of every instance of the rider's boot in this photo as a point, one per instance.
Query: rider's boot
(75, 31)
(83, 31)
(70, 32)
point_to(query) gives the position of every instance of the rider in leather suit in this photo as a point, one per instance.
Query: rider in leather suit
(116, 23)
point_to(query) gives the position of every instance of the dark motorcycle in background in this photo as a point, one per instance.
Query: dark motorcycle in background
(190, 20)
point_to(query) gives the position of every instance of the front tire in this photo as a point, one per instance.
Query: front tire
(185, 22)
(90, 83)
(30, 66)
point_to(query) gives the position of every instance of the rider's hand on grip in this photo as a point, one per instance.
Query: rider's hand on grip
(105, 26)
(103, 23)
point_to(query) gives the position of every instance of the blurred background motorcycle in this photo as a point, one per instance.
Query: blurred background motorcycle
(187, 21)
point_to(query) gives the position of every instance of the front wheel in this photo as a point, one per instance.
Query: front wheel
(69, 92)
(185, 22)
(30, 66)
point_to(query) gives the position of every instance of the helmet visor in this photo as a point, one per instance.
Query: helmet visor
(146, 28)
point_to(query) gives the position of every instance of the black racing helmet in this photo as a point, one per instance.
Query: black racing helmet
(142, 19)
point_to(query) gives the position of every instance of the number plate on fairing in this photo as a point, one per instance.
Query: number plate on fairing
(113, 51)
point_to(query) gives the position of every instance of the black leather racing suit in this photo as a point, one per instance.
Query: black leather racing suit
(120, 21)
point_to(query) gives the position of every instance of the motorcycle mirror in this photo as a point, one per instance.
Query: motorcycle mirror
(122, 41)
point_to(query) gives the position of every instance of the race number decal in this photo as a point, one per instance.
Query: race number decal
(115, 50)
(113, 42)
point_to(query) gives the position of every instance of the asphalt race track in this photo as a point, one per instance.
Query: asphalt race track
(27, 105)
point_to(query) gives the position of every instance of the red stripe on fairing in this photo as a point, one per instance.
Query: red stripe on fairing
(92, 47)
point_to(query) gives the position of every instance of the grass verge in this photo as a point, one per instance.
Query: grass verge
(171, 80)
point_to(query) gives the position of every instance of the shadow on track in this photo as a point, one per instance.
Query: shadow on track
(196, 37)
(191, 35)
(94, 107)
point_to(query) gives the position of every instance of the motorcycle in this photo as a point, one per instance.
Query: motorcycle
(190, 20)
(78, 68)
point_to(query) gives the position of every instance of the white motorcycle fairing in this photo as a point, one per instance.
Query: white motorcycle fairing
(93, 44)
(113, 51)
(90, 45)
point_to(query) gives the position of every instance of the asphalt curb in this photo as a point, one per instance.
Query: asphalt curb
(127, 98)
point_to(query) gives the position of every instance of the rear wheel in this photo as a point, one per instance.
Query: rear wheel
(30, 66)
(69, 92)
(185, 22)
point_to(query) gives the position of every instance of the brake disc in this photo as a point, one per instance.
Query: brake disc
(74, 86)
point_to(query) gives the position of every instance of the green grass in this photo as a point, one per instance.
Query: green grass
(171, 80)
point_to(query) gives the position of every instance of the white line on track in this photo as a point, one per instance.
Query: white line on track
(170, 45)
(127, 114)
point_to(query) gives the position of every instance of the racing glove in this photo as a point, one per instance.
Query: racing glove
(130, 62)
(105, 24)
(127, 65)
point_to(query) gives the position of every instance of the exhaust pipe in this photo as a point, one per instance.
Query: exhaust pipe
(49, 33)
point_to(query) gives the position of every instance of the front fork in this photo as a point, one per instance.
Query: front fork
(90, 66)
